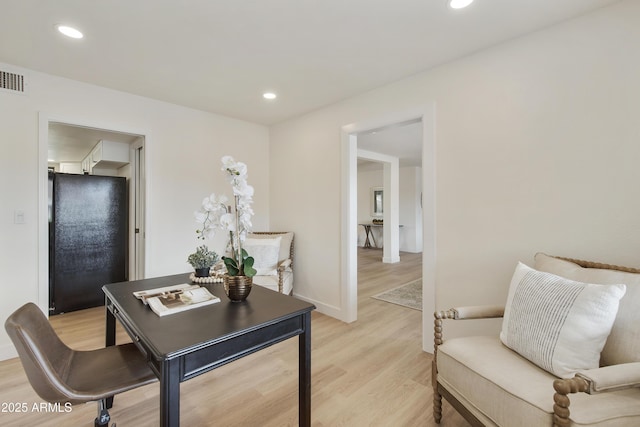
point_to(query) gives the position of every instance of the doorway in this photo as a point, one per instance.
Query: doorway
(349, 224)
(63, 146)
(387, 189)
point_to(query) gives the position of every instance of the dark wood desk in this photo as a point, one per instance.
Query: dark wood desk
(184, 345)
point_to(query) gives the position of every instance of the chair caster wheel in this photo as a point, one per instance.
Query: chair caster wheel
(103, 418)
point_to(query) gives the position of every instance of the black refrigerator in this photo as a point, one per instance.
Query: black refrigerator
(88, 228)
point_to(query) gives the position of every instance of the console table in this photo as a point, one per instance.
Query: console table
(369, 234)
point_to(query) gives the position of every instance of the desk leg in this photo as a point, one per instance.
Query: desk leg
(110, 327)
(109, 338)
(170, 393)
(304, 372)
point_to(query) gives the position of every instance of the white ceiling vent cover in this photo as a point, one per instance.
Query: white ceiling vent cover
(12, 82)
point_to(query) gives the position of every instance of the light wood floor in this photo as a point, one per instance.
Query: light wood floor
(372, 372)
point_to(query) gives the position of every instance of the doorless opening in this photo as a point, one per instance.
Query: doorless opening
(349, 226)
(61, 147)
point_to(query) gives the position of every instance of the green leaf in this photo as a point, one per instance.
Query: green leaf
(249, 271)
(247, 265)
(232, 266)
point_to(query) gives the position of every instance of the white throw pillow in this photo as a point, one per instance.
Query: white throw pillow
(623, 343)
(265, 254)
(558, 324)
(285, 244)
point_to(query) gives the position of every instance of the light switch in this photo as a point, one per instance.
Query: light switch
(18, 217)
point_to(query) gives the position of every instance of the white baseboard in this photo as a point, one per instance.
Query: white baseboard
(329, 310)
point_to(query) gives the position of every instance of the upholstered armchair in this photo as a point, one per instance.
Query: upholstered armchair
(273, 255)
(572, 359)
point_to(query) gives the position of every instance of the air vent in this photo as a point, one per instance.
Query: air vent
(12, 82)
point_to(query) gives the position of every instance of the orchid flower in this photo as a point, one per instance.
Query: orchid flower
(215, 213)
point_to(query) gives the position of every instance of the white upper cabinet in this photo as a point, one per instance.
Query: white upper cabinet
(109, 155)
(71, 167)
(86, 164)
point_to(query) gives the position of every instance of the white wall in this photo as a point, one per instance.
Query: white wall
(537, 147)
(183, 151)
(410, 209)
(410, 234)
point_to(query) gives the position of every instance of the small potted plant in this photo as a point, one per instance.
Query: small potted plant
(202, 260)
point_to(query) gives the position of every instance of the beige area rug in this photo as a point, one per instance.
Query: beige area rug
(407, 295)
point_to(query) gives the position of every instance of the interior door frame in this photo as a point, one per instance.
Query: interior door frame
(44, 119)
(137, 251)
(349, 225)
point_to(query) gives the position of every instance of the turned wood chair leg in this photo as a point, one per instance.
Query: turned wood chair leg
(437, 405)
(563, 388)
(437, 397)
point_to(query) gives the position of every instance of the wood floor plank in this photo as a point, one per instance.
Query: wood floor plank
(372, 372)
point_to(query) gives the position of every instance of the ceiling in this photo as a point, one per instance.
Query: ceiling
(69, 143)
(220, 56)
(403, 140)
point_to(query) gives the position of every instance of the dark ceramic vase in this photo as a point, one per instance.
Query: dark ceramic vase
(237, 288)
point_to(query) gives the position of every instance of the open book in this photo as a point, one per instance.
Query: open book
(176, 298)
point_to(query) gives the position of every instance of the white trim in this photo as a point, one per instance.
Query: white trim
(429, 228)
(349, 306)
(348, 311)
(378, 157)
(43, 216)
(391, 213)
(43, 227)
(329, 310)
(137, 201)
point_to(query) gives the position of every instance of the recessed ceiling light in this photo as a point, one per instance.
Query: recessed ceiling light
(459, 4)
(269, 95)
(70, 31)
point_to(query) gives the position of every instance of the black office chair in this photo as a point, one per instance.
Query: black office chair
(59, 374)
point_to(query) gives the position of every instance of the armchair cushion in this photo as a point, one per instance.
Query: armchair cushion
(271, 282)
(265, 253)
(508, 390)
(560, 325)
(623, 343)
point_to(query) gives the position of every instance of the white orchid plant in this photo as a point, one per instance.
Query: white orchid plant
(215, 213)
